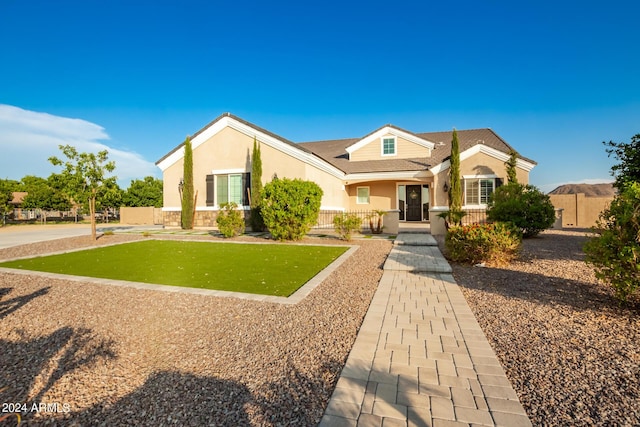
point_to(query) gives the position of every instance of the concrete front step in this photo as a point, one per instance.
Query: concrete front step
(417, 259)
(415, 239)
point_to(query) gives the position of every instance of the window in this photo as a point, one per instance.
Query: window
(226, 186)
(478, 190)
(363, 196)
(229, 189)
(389, 146)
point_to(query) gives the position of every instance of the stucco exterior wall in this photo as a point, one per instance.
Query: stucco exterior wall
(230, 150)
(140, 215)
(382, 196)
(404, 150)
(578, 210)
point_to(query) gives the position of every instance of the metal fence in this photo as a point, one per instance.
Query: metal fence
(475, 216)
(325, 218)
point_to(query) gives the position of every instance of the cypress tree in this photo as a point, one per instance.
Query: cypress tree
(188, 207)
(510, 164)
(455, 189)
(257, 223)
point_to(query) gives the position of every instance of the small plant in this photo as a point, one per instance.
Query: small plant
(615, 252)
(230, 221)
(494, 244)
(375, 221)
(108, 233)
(345, 224)
(452, 217)
(146, 234)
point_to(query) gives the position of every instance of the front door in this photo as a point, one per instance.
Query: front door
(414, 203)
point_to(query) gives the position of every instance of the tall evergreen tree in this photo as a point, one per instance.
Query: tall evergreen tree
(188, 205)
(510, 164)
(257, 223)
(455, 189)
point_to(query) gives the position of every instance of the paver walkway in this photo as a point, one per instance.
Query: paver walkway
(420, 357)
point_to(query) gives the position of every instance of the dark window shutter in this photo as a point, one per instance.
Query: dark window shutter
(246, 185)
(499, 182)
(210, 191)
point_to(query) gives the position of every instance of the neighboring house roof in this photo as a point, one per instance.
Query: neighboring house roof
(18, 197)
(335, 153)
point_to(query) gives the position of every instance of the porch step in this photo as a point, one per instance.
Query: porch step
(417, 259)
(415, 239)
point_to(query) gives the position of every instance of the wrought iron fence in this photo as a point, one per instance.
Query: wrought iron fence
(325, 218)
(475, 216)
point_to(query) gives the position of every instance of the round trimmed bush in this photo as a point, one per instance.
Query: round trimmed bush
(525, 206)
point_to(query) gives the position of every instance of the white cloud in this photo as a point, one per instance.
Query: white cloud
(29, 138)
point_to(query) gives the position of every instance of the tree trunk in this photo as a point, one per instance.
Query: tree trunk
(92, 212)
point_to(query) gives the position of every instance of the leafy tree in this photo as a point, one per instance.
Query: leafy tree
(257, 223)
(84, 177)
(525, 206)
(45, 194)
(188, 205)
(628, 154)
(512, 176)
(290, 207)
(615, 252)
(7, 187)
(144, 192)
(110, 199)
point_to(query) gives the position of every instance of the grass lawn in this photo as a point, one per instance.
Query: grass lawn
(268, 269)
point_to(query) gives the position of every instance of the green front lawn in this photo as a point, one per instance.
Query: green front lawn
(269, 269)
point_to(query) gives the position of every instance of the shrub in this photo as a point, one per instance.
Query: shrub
(524, 206)
(493, 244)
(615, 252)
(345, 224)
(290, 207)
(230, 221)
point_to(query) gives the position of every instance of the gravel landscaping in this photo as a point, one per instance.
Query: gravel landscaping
(570, 351)
(107, 355)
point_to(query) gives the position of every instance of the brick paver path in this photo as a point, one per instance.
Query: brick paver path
(420, 358)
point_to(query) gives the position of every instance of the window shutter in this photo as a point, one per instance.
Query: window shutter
(210, 191)
(499, 182)
(246, 185)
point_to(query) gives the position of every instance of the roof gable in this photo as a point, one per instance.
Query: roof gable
(228, 120)
(389, 130)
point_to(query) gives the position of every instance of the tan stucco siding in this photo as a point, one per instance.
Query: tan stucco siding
(230, 150)
(334, 195)
(382, 195)
(478, 164)
(404, 150)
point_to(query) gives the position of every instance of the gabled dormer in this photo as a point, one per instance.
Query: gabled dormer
(390, 142)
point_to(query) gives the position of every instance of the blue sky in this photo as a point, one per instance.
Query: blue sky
(554, 79)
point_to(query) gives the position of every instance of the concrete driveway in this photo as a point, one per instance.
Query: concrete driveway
(22, 234)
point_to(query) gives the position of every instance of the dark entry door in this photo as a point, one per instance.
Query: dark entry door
(414, 203)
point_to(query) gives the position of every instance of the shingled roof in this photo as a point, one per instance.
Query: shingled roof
(335, 151)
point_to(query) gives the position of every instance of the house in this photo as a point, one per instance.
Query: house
(388, 169)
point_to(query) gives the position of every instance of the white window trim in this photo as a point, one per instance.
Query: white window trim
(477, 177)
(395, 146)
(368, 196)
(228, 173)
